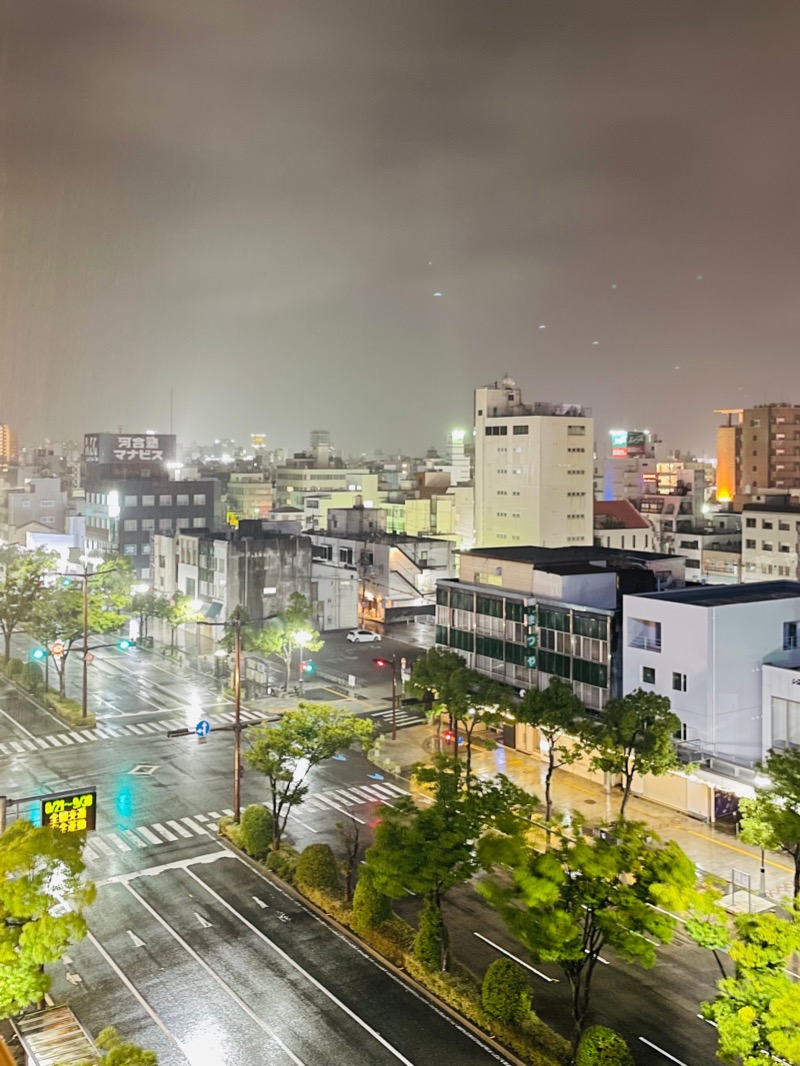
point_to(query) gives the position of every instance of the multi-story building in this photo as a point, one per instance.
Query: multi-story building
(705, 649)
(249, 494)
(294, 483)
(533, 470)
(771, 540)
(37, 506)
(769, 448)
(524, 615)
(617, 524)
(9, 446)
(630, 470)
(729, 454)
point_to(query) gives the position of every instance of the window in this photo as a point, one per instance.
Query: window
(644, 634)
(130, 525)
(199, 499)
(129, 549)
(165, 525)
(576, 431)
(791, 635)
(750, 523)
(765, 524)
(148, 501)
(146, 549)
(679, 682)
(766, 546)
(47, 503)
(165, 501)
(182, 499)
(520, 431)
(784, 527)
(131, 501)
(649, 675)
(497, 431)
(148, 525)
(198, 523)
(750, 544)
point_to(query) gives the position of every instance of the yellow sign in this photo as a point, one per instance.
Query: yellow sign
(72, 812)
(233, 519)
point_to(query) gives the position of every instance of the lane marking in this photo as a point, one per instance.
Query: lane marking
(544, 977)
(661, 1051)
(179, 829)
(16, 745)
(120, 843)
(54, 741)
(213, 974)
(740, 851)
(166, 834)
(707, 1021)
(342, 810)
(148, 834)
(296, 965)
(137, 940)
(18, 725)
(129, 833)
(195, 828)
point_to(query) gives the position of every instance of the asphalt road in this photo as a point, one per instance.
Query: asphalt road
(158, 800)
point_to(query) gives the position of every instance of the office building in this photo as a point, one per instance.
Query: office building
(9, 447)
(762, 446)
(533, 470)
(771, 540)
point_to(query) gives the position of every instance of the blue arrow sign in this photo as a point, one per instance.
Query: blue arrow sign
(340, 758)
(376, 777)
(203, 728)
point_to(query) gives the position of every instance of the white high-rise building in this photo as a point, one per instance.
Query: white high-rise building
(533, 470)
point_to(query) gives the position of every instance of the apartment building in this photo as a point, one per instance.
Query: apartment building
(770, 541)
(769, 448)
(534, 474)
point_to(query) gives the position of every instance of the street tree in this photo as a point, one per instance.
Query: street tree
(560, 717)
(22, 575)
(116, 1052)
(290, 629)
(43, 894)
(582, 895)
(468, 698)
(303, 738)
(147, 604)
(181, 611)
(635, 735)
(757, 1010)
(58, 616)
(772, 819)
(428, 850)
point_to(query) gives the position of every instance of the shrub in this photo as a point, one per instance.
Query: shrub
(600, 1046)
(370, 907)
(282, 863)
(31, 677)
(505, 992)
(13, 669)
(317, 868)
(430, 943)
(256, 831)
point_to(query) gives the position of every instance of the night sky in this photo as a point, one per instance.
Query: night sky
(256, 202)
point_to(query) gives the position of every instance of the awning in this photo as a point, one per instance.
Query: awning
(211, 611)
(54, 1036)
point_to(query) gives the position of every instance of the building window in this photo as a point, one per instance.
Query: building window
(129, 549)
(148, 525)
(649, 675)
(130, 525)
(791, 635)
(131, 501)
(679, 682)
(148, 501)
(750, 523)
(766, 546)
(165, 525)
(765, 524)
(146, 549)
(751, 544)
(182, 500)
(198, 523)
(165, 501)
(520, 431)
(199, 499)
(644, 634)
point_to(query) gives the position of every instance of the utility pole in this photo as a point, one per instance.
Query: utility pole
(3, 804)
(85, 687)
(394, 697)
(237, 725)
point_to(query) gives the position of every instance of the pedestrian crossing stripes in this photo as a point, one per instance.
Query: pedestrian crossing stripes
(105, 844)
(404, 717)
(110, 730)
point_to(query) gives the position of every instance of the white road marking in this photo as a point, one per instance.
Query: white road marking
(179, 829)
(336, 807)
(195, 828)
(17, 725)
(228, 811)
(16, 745)
(148, 834)
(214, 975)
(41, 742)
(137, 940)
(129, 833)
(98, 842)
(215, 815)
(54, 741)
(707, 1021)
(131, 728)
(296, 965)
(260, 902)
(67, 738)
(394, 788)
(81, 739)
(544, 977)
(163, 831)
(661, 1051)
(120, 843)
(204, 922)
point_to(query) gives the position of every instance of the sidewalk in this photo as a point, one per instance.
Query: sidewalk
(714, 851)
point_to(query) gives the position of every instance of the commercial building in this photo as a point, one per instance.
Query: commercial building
(761, 447)
(293, 483)
(9, 446)
(705, 649)
(630, 470)
(617, 524)
(249, 494)
(523, 615)
(38, 506)
(533, 470)
(771, 540)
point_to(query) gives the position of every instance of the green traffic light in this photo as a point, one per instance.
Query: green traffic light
(125, 644)
(39, 653)
(309, 667)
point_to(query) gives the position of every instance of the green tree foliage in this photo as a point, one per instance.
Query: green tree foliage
(181, 611)
(430, 849)
(371, 908)
(256, 830)
(22, 574)
(757, 1011)
(42, 897)
(600, 1046)
(634, 736)
(772, 819)
(31, 677)
(14, 668)
(568, 903)
(505, 992)
(58, 613)
(303, 738)
(117, 1053)
(280, 635)
(149, 604)
(432, 942)
(559, 716)
(317, 868)
(467, 697)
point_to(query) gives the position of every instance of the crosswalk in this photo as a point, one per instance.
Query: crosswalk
(104, 844)
(110, 730)
(405, 717)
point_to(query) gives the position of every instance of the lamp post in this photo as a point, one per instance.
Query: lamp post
(393, 663)
(302, 637)
(237, 722)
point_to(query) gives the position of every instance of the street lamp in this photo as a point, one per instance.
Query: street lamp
(302, 637)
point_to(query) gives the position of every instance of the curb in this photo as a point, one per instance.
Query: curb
(400, 975)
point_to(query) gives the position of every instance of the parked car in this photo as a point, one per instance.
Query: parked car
(363, 636)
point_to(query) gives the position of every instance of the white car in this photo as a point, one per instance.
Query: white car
(363, 636)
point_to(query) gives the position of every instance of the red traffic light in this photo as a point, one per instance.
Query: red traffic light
(381, 662)
(448, 736)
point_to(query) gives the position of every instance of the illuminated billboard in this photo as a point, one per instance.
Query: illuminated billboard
(70, 812)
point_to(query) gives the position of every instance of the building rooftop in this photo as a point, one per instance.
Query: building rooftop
(728, 595)
(774, 508)
(547, 558)
(618, 514)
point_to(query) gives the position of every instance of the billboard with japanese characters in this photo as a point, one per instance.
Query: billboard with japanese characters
(70, 812)
(134, 448)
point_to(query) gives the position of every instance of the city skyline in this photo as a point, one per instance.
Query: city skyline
(353, 217)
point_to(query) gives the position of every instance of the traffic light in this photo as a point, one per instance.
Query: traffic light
(381, 662)
(39, 654)
(124, 644)
(308, 666)
(447, 736)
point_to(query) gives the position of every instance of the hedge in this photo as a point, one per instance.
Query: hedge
(600, 1046)
(506, 993)
(317, 868)
(256, 831)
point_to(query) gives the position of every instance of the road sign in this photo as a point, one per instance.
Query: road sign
(89, 657)
(57, 649)
(203, 728)
(69, 812)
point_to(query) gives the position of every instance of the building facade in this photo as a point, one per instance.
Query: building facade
(533, 470)
(770, 541)
(769, 448)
